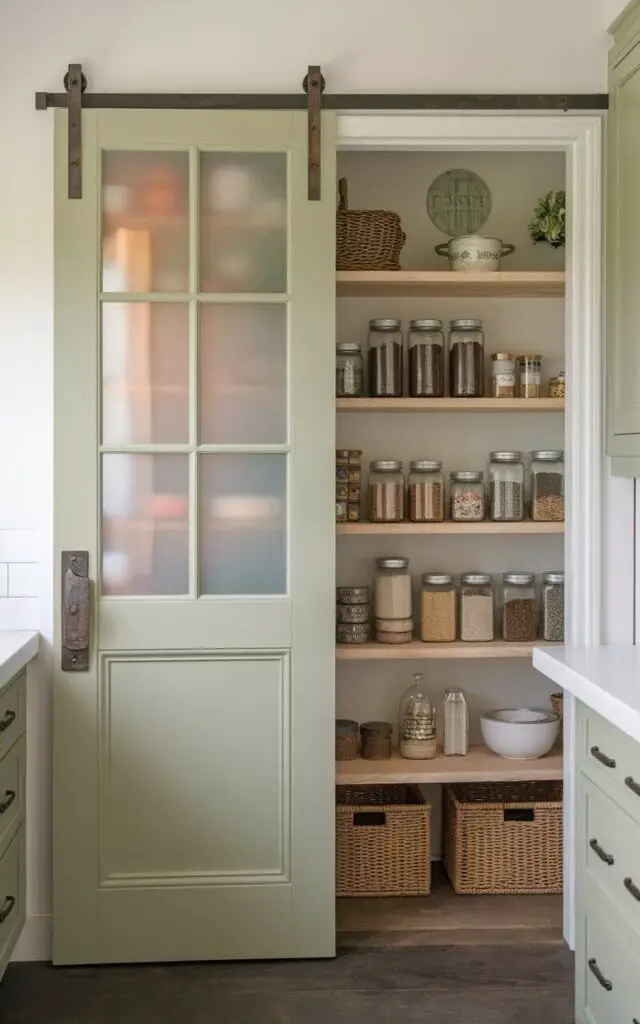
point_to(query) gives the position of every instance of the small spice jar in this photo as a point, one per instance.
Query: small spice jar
(353, 632)
(417, 725)
(455, 714)
(438, 608)
(557, 386)
(503, 375)
(426, 491)
(466, 359)
(506, 487)
(519, 613)
(375, 740)
(529, 373)
(552, 607)
(393, 606)
(547, 486)
(476, 607)
(352, 595)
(386, 491)
(349, 375)
(426, 359)
(467, 496)
(385, 358)
(346, 740)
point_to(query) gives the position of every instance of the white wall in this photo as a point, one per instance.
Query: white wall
(205, 45)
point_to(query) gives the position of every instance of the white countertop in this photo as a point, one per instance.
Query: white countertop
(606, 679)
(17, 647)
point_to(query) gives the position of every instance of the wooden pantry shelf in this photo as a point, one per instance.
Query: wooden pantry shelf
(447, 529)
(480, 765)
(416, 651)
(450, 404)
(508, 284)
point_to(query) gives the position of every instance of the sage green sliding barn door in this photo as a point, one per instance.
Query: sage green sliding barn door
(194, 460)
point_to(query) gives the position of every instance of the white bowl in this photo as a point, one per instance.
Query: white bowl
(520, 733)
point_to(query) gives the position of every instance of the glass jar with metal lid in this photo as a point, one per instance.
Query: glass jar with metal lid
(426, 491)
(558, 386)
(393, 605)
(503, 375)
(466, 359)
(386, 491)
(349, 376)
(476, 607)
(552, 607)
(426, 359)
(506, 487)
(438, 608)
(519, 611)
(529, 375)
(466, 496)
(385, 358)
(547, 486)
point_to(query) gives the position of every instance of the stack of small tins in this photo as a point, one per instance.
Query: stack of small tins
(348, 482)
(353, 615)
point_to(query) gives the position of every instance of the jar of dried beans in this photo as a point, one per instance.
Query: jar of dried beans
(386, 491)
(466, 496)
(426, 359)
(476, 607)
(438, 608)
(426, 491)
(466, 359)
(552, 607)
(519, 610)
(506, 487)
(547, 486)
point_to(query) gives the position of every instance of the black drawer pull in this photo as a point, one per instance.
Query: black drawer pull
(632, 888)
(7, 720)
(9, 797)
(597, 973)
(631, 784)
(602, 854)
(608, 762)
(9, 904)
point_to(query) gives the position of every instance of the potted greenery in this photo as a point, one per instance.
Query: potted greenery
(548, 224)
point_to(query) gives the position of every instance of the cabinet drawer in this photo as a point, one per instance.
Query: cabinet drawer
(611, 759)
(12, 712)
(607, 991)
(12, 897)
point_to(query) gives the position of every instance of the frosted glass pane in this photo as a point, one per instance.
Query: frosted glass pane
(243, 222)
(243, 374)
(145, 524)
(145, 222)
(243, 524)
(145, 373)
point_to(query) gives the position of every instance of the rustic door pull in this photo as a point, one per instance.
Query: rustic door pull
(597, 973)
(608, 762)
(602, 854)
(9, 904)
(9, 797)
(75, 611)
(631, 784)
(631, 887)
(9, 717)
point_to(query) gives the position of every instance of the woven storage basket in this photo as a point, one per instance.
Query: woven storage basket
(503, 837)
(382, 841)
(367, 239)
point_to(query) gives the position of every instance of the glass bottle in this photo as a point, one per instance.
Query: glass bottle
(438, 608)
(519, 613)
(503, 375)
(552, 607)
(467, 496)
(455, 714)
(417, 726)
(466, 359)
(386, 491)
(529, 373)
(349, 376)
(392, 602)
(506, 487)
(547, 486)
(426, 359)
(558, 386)
(476, 607)
(385, 358)
(426, 491)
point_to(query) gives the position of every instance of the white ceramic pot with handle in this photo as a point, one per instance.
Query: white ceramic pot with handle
(475, 253)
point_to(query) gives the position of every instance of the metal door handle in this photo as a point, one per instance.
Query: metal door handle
(631, 784)
(10, 716)
(608, 762)
(9, 797)
(9, 904)
(632, 888)
(597, 973)
(602, 854)
(74, 656)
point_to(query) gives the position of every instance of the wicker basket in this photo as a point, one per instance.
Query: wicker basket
(367, 239)
(557, 703)
(504, 837)
(382, 841)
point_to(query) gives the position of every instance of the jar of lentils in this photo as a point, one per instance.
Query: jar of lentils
(476, 607)
(466, 359)
(519, 611)
(426, 491)
(386, 491)
(529, 374)
(349, 377)
(426, 359)
(438, 608)
(506, 487)
(552, 607)
(466, 496)
(547, 486)
(385, 358)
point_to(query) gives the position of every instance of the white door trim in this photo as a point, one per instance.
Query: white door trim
(588, 472)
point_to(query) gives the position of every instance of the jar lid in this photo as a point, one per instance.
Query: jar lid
(385, 325)
(505, 456)
(520, 578)
(502, 355)
(476, 579)
(465, 325)
(377, 728)
(386, 465)
(557, 576)
(392, 563)
(552, 455)
(345, 725)
(437, 577)
(425, 325)
(468, 476)
(530, 359)
(348, 346)
(425, 465)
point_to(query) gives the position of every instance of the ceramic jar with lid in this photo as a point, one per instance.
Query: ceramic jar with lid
(375, 740)
(386, 491)
(466, 359)
(385, 358)
(426, 359)
(346, 739)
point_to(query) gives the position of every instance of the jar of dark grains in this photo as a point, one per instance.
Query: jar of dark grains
(466, 359)
(552, 607)
(375, 740)
(506, 487)
(349, 376)
(426, 491)
(426, 359)
(385, 358)
(386, 491)
(519, 612)
(466, 496)
(547, 486)
(346, 740)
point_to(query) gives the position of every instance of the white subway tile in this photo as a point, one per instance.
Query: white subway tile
(19, 613)
(3, 579)
(24, 579)
(19, 546)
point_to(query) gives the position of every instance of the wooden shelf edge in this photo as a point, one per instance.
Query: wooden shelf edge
(535, 284)
(450, 405)
(480, 765)
(417, 651)
(448, 528)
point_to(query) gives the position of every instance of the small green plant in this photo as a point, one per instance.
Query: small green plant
(548, 224)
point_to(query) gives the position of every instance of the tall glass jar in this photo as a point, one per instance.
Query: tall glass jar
(426, 359)
(519, 612)
(552, 607)
(386, 491)
(438, 608)
(466, 496)
(349, 376)
(476, 607)
(417, 725)
(455, 714)
(547, 486)
(529, 376)
(392, 602)
(466, 359)
(506, 487)
(426, 491)
(503, 375)
(558, 386)
(385, 358)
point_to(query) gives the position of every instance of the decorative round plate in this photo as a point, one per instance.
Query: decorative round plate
(458, 202)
